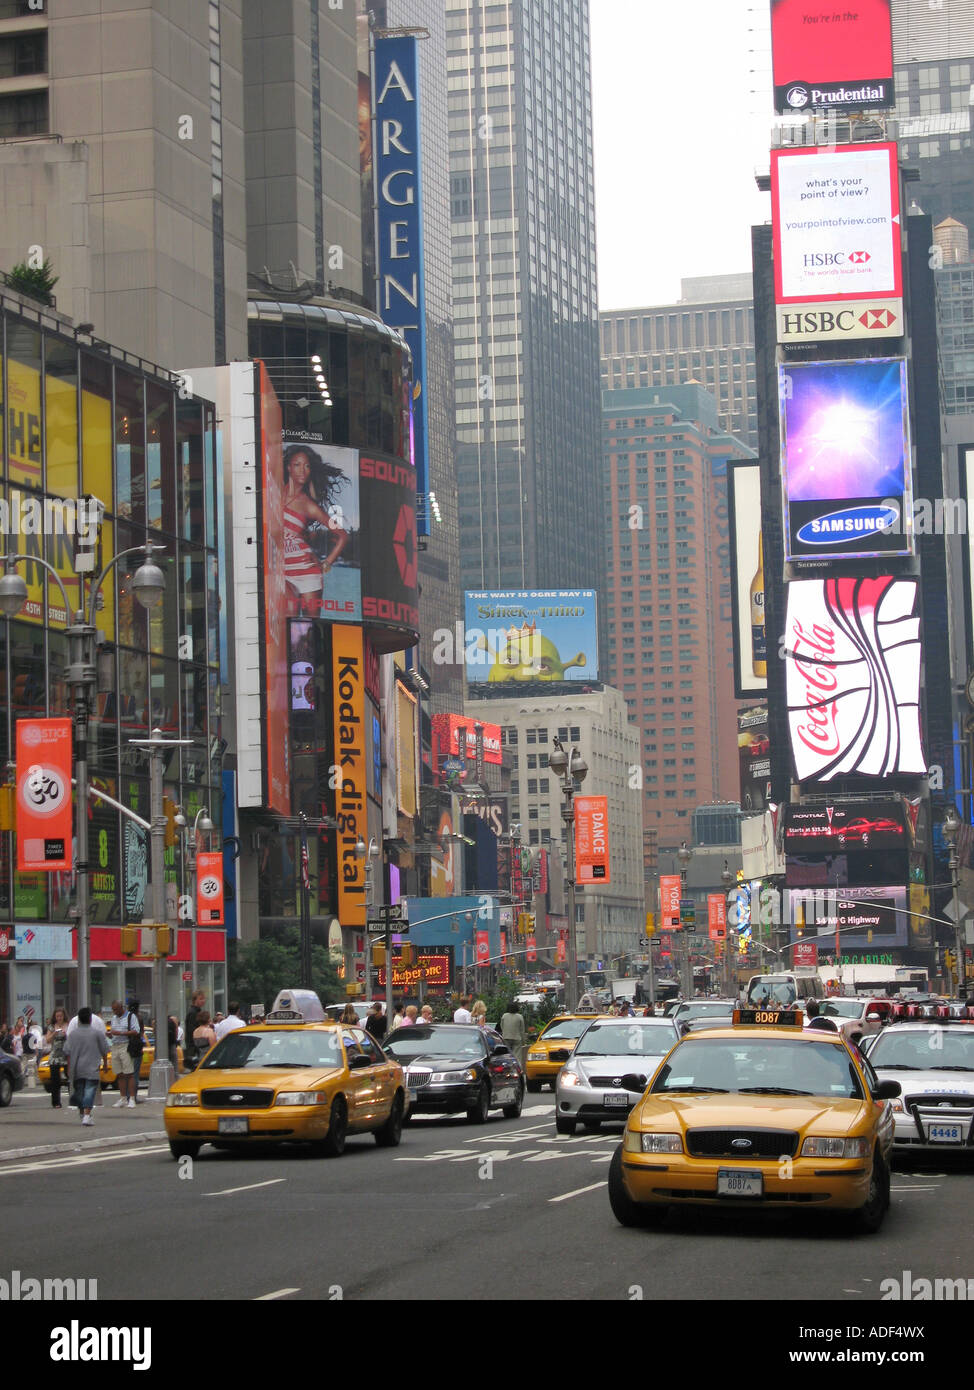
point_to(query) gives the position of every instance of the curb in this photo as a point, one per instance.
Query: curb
(80, 1146)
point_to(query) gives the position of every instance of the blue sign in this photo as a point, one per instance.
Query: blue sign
(401, 293)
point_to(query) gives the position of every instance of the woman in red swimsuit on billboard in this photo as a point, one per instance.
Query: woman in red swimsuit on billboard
(305, 570)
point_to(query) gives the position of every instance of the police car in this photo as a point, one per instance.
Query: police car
(297, 1077)
(934, 1064)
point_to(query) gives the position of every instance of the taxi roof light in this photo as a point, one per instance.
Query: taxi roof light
(768, 1018)
(296, 1006)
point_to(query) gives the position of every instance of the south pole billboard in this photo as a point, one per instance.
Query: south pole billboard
(838, 56)
(845, 459)
(530, 636)
(852, 661)
(401, 294)
(838, 259)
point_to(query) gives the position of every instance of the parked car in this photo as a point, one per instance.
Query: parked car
(11, 1078)
(452, 1068)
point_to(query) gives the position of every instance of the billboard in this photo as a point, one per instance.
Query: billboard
(838, 257)
(754, 758)
(530, 636)
(845, 459)
(348, 695)
(493, 812)
(835, 56)
(43, 797)
(321, 528)
(455, 744)
(836, 829)
(432, 968)
(747, 574)
(390, 553)
(592, 839)
(852, 659)
(275, 605)
(863, 916)
(407, 750)
(398, 184)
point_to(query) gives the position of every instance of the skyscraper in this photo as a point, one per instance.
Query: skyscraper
(524, 292)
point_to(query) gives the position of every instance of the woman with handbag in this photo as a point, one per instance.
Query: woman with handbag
(54, 1039)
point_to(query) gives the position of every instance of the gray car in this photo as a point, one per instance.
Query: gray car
(609, 1070)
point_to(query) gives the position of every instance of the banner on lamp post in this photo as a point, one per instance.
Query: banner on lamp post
(592, 839)
(483, 948)
(669, 902)
(43, 797)
(532, 952)
(209, 889)
(717, 916)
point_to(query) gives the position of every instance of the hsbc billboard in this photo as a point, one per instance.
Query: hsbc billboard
(837, 243)
(852, 657)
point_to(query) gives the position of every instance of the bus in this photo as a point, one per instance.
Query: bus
(784, 989)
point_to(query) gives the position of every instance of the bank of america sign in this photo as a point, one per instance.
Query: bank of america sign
(852, 653)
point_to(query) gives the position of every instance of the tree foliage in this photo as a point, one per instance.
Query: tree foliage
(258, 970)
(36, 281)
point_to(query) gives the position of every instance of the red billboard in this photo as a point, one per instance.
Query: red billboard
(44, 795)
(592, 839)
(455, 744)
(717, 916)
(209, 889)
(277, 679)
(669, 902)
(805, 953)
(839, 57)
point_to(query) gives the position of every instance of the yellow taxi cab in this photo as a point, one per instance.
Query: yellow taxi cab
(761, 1114)
(108, 1077)
(552, 1048)
(296, 1077)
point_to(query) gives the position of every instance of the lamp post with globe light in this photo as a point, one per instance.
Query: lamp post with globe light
(202, 825)
(148, 584)
(951, 830)
(685, 854)
(572, 768)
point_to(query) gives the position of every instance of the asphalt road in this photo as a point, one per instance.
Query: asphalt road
(508, 1209)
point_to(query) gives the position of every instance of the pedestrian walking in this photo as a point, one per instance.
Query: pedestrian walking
(426, 1014)
(85, 1048)
(397, 1015)
(463, 1014)
(196, 1006)
(231, 1023)
(513, 1031)
(349, 1015)
(54, 1039)
(478, 1013)
(205, 1036)
(125, 1027)
(410, 1016)
(376, 1023)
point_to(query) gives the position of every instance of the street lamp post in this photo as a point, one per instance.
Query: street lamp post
(572, 768)
(148, 585)
(726, 878)
(368, 852)
(685, 854)
(951, 829)
(202, 825)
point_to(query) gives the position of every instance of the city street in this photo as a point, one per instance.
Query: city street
(500, 1211)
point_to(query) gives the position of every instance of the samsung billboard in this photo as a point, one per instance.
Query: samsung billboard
(401, 295)
(530, 636)
(845, 458)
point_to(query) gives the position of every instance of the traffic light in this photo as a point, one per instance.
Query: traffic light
(164, 941)
(8, 807)
(131, 940)
(650, 923)
(169, 811)
(407, 956)
(949, 961)
(528, 922)
(378, 955)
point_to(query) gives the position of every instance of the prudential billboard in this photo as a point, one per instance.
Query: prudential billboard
(401, 294)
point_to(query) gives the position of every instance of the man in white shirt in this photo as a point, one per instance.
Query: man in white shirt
(231, 1023)
(463, 1014)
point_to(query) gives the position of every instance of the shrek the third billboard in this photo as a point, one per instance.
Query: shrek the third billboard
(530, 636)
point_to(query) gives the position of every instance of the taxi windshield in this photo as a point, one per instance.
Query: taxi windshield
(924, 1049)
(418, 1041)
(290, 1047)
(630, 1039)
(566, 1028)
(768, 1066)
(772, 990)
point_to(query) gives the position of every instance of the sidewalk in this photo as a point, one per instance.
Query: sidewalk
(30, 1125)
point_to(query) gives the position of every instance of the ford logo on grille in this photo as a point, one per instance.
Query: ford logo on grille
(236, 1097)
(741, 1144)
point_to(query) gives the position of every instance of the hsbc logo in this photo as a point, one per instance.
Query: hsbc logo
(820, 258)
(859, 257)
(837, 321)
(874, 319)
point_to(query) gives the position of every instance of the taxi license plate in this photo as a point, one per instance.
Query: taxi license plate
(236, 1124)
(736, 1182)
(945, 1134)
(613, 1098)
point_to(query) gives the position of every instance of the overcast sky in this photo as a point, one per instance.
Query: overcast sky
(682, 101)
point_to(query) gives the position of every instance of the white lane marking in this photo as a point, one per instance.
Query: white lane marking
(578, 1192)
(278, 1293)
(79, 1160)
(226, 1192)
(916, 1187)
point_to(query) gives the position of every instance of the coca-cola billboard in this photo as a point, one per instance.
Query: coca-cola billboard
(852, 654)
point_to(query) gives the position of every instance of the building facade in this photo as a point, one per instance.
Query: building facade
(706, 338)
(524, 292)
(80, 421)
(667, 615)
(609, 920)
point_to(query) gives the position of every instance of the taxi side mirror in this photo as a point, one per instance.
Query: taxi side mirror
(357, 1062)
(888, 1090)
(873, 1018)
(632, 1082)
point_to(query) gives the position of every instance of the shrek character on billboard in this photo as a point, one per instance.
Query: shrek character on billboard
(527, 655)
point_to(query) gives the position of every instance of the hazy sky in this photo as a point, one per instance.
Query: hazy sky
(682, 110)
